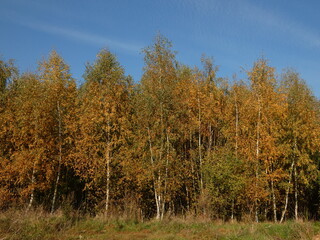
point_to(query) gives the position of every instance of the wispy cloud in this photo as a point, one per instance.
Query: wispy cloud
(86, 37)
(265, 18)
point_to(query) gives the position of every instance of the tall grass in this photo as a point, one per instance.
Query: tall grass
(38, 224)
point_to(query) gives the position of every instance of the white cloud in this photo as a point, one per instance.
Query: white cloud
(248, 11)
(270, 19)
(93, 39)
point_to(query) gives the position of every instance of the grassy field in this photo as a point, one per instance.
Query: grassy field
(39, 225)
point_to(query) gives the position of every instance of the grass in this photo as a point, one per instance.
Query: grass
(40, 225)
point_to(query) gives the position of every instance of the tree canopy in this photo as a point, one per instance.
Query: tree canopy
(180, 141)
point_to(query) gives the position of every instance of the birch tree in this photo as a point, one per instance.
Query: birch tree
(302, 136)
(59, 97)
(101, 127)
(157, 91)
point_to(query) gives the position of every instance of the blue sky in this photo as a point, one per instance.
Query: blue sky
(235, 33)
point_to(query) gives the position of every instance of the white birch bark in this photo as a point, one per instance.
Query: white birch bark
(60, 159)
(287, 194)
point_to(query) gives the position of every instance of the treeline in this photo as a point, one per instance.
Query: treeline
(181, 141)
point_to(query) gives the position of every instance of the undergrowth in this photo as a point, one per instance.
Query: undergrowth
(37, 224)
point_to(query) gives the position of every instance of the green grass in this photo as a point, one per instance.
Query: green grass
(40, 225)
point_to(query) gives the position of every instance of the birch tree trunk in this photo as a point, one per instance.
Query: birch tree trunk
(32, 183)
(236, 146)
(295, 183)
(287, 194)
(257, 159)
(273, 201)
(60, 159)
(295, 193)
(232, 210)
(153, 177)
(237, 127)
(33, 178)
(108, 167)
(108, 179)
(166, 176)
(199, 142)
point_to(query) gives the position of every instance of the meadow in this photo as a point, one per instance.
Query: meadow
(37, 224)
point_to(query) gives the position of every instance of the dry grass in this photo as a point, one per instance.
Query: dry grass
(40, 225)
